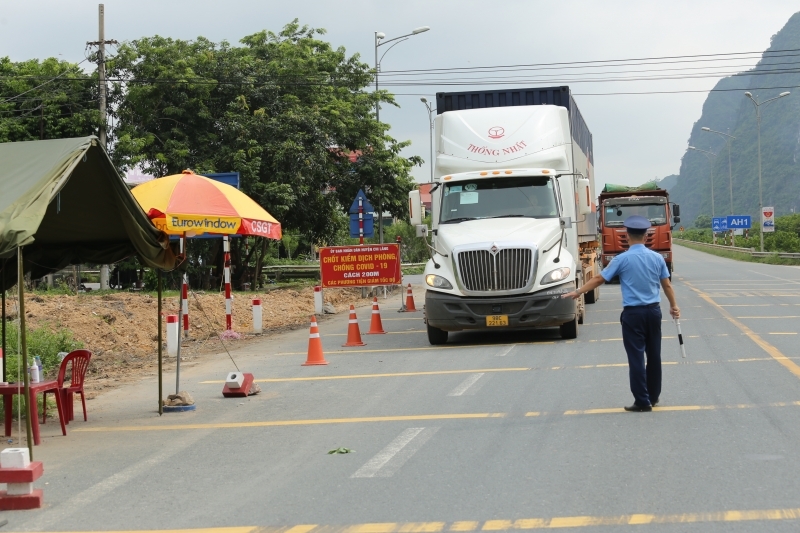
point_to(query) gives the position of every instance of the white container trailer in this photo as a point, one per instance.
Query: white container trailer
(514, 219)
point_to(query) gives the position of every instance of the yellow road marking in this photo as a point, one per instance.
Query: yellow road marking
(672, 408)
(764, 345)
(557, 522)
(426, 348)
(311, 422)
(398, 374)
(782, 333)
(476, 370)
(388, 333)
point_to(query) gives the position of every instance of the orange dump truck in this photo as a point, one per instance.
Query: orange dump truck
(618, 202)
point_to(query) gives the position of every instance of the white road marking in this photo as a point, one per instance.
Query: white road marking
(466, 384)
(389, 460)
(507, 350)
(78, 503)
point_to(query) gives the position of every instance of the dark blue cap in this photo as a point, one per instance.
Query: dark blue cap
(637, 223)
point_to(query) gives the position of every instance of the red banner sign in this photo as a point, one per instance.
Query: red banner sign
(360, 266)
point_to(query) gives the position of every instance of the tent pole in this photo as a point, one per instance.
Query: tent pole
(24, 349)
(2, 282)
(160, 349)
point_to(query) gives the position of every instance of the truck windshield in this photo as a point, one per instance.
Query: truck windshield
(499, 197)
(615, 215)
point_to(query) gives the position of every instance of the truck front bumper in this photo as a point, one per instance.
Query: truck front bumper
(456, 313)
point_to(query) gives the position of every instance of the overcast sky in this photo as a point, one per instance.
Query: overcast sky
(636, 137)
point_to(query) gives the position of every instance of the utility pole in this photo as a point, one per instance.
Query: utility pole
(101, 70)
(101, 75)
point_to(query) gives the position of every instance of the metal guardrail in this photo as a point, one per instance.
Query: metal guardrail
(718, 246)
(751, 251)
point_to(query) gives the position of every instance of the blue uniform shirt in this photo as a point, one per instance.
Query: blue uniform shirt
(640, 272)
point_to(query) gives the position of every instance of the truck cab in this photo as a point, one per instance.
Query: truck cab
(650, 202)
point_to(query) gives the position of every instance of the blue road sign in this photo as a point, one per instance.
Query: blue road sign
(719, 224)
(364, 203)
(739, 221)
(369, 225)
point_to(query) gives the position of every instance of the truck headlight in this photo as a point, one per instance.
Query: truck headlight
(438, 281)
(559, 274)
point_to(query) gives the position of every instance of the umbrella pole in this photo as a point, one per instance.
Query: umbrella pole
(180, 325)
(160, 349)
(23, 346)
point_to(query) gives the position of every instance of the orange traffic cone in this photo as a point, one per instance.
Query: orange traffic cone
(375, 327)
(315, 355)
(353, 333)
(410, 300)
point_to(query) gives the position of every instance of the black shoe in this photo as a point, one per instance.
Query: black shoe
(653, 402)
(638, 408)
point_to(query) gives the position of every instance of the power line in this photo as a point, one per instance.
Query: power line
(42, 85)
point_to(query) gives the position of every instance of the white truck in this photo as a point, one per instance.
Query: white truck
(513, 213)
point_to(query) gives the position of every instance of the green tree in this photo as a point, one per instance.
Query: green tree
(285, 110)
(702, 221)
(47, 99)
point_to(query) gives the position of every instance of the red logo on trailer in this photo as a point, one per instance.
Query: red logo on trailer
(496, 132)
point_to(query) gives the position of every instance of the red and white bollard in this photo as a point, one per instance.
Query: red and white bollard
(18, 473)
(318, 304)
(185, 305)
(172, 335)
(226, 248)
(257, 322)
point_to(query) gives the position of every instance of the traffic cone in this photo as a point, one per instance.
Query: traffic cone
(375, 327)
(315, 355)
(410, 300)
(353, 333)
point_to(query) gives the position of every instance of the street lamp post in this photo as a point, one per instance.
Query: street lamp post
(710, 164)
(430, 121)
(379, 41)
(758, 120)
(728, 139)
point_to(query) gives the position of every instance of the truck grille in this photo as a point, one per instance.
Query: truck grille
(506, 270)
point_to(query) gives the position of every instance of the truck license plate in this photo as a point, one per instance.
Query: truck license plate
(497, 320)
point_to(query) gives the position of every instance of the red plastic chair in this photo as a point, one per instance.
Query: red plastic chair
(80, 363)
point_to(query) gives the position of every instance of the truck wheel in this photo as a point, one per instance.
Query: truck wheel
(570, 329)
(436, 335)
(591, 296)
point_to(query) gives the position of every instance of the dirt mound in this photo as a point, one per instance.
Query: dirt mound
(122, 332)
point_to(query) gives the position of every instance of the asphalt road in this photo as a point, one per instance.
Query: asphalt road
(494, 431)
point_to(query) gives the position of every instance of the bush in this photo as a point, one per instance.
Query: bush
(42, 342)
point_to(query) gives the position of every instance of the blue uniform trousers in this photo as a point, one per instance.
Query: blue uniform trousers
(641, 334)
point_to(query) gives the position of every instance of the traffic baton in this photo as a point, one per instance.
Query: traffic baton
(680, 337)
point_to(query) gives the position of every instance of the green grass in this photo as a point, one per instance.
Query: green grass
(741, 256)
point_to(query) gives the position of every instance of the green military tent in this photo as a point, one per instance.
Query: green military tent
(62, 202)
(65, 203)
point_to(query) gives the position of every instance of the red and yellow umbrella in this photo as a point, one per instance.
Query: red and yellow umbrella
(188, 204)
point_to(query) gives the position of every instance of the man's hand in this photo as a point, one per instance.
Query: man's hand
(675, 312)
(574, 295)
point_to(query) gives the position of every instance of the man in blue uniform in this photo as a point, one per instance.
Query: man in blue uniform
(641, 271)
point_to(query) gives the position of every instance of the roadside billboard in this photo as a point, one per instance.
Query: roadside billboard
(768, 219)
(360, 266)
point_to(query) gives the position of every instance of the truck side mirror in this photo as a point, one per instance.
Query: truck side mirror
(422, 230)
(676, 210)
(676, 219)
(415, 208)
(584, 197)
(565, 222)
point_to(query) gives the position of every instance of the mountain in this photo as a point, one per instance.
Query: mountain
(728, 110)
(669, 182)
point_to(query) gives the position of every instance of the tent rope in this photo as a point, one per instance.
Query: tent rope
(211, 324)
